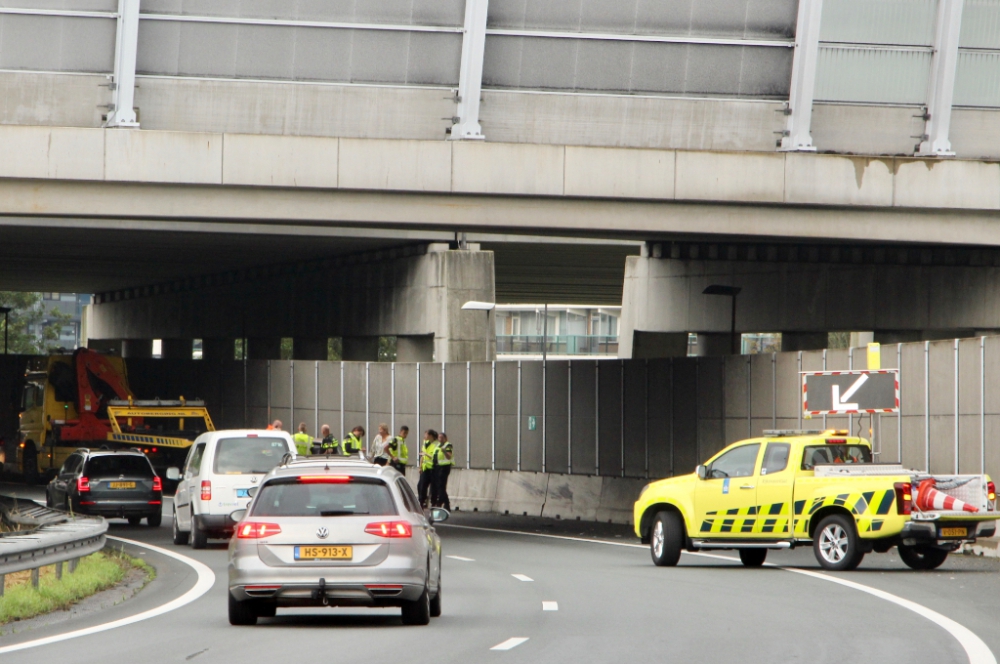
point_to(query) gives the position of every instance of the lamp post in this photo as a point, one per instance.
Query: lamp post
(731, 291)
(6, 325)
(473, 305)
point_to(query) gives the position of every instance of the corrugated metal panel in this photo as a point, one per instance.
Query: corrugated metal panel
(50, 43)
(538, 63)
(399, 12)
(318, 54)
(746, 19)
(980, 24)
(977, 81)
(904, 22)
(874, 75)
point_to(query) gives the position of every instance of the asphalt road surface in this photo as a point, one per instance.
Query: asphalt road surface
(547, 599)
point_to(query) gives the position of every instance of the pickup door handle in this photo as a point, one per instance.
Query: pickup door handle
(747, 486)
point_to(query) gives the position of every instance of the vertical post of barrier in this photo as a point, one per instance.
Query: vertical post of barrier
(545, 398)
(341, 398)
(468, 414)
(444, 401)
(982, 404)
(957, 417)
(899, 412)
(122, 113)
(316, 399)
(269, 418)
(420, 432)
(519, 415)
(569, 417)
(291, 395)
(774, 390)
(824, 369)
(493, 415)
(850, 367)
(392, 400)
(798, 383)
(927, 406)
(621, 403)
(368, 399)
(672, 417)
(645, 433)
(597, 418)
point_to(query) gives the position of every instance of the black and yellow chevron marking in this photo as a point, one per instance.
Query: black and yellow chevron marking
(748, 520)
(862, 505)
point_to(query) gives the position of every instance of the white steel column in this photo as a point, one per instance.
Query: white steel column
(470, 82)
(123, 85)
(941, 89)
(798, 125)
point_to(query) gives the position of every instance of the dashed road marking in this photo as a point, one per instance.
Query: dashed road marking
(510, 643)
(522, 577)
(462, 558)
(550, 606)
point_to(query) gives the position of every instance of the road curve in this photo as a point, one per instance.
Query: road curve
(559, 600)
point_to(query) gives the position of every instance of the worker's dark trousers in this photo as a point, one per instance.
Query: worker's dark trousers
(425, 485)
(439, 496)
(398, 465)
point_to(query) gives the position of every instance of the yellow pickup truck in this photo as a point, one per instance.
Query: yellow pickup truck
(819, 488)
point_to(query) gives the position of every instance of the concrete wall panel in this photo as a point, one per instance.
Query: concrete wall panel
(969, 376)
(970, 444)
(610, 418)
(737, 387)
(660, 422)
(140, 156)
(380, 398)
(762, 387)
(685, 412)
(305, 397)
(355, 397)
(531, 407)
(507, 422)
(430, 397)
(992, 369)
(619, 173)
(637, 409)
(280, 387)
(497, 168)
(942, 443)
(279, 161)
(395, 165)
(942, 378)
(556, 416)
(482, 409)
(716, 175)
(456, 418)
(993, 449)
(406, 400)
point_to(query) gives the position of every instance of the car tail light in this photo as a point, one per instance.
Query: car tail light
(206, 490)
(904, 497)
(390, 529)
(257, 530)
(991, 491)
(324, 479)
(157, 483)
(82, 484)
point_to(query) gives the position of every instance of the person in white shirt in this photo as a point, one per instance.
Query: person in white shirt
(376, 448)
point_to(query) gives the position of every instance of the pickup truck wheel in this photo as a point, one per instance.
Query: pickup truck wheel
(753, 557)
(917, 557)
(667, 539)
(836, 544)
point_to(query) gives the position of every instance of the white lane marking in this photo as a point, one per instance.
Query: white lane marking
(510, 643)
(521, 577)
(976, 650)
(550, 606)
(206, 579)
(462, 558)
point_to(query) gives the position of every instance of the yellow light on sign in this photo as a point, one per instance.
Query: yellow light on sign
(874, 357)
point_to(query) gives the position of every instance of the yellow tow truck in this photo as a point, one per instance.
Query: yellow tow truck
(793, 488)
(84, 400)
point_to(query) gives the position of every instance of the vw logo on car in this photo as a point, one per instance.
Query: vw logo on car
(322, 533)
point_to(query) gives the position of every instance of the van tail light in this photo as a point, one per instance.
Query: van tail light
(206, 490)
(991, 491)
(157, 483)
(390, 529)
(82, 484)
(904, 497)
(257, 530)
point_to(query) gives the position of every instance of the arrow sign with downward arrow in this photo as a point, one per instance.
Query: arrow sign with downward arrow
(842, 392)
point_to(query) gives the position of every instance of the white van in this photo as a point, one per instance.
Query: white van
(220, 470)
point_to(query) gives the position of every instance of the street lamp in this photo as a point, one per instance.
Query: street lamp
(731, 291)
(473, 305)
(6, 324)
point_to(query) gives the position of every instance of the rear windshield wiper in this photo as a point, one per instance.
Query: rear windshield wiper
(339, 513)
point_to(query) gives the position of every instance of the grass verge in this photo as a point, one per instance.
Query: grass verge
(95, 573)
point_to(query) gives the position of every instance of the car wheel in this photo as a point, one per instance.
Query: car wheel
(918, 557)
(436, 602)
(418, 612)
(266, 609)
(753, 557)
(199, 538)
(667, 539)
(48, 501)
(29, 463)
(155, 519)
(836, 544)
(241, 613)
(134, 520)
(180, 537)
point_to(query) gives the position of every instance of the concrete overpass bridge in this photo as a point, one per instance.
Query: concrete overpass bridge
(232, 170)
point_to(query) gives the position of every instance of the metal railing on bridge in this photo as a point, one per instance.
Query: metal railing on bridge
(565, 344)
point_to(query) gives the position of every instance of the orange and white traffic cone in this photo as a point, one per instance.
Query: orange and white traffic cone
(929, 499)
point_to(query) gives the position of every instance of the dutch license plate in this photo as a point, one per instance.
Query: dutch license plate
(324, 552)
(954, 532)
(121, 485)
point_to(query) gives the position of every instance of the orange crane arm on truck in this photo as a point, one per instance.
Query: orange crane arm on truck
(98, 382)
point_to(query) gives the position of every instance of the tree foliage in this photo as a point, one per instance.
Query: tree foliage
(28, 311)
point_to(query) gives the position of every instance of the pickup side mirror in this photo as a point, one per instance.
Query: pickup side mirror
(173, 474)
(238, 515)
(702, 472)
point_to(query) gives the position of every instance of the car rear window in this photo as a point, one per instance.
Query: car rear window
(118, 465)
(813, 455)
(294, 499)
(240, 456)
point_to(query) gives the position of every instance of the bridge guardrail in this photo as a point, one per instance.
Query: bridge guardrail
(51, 538)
